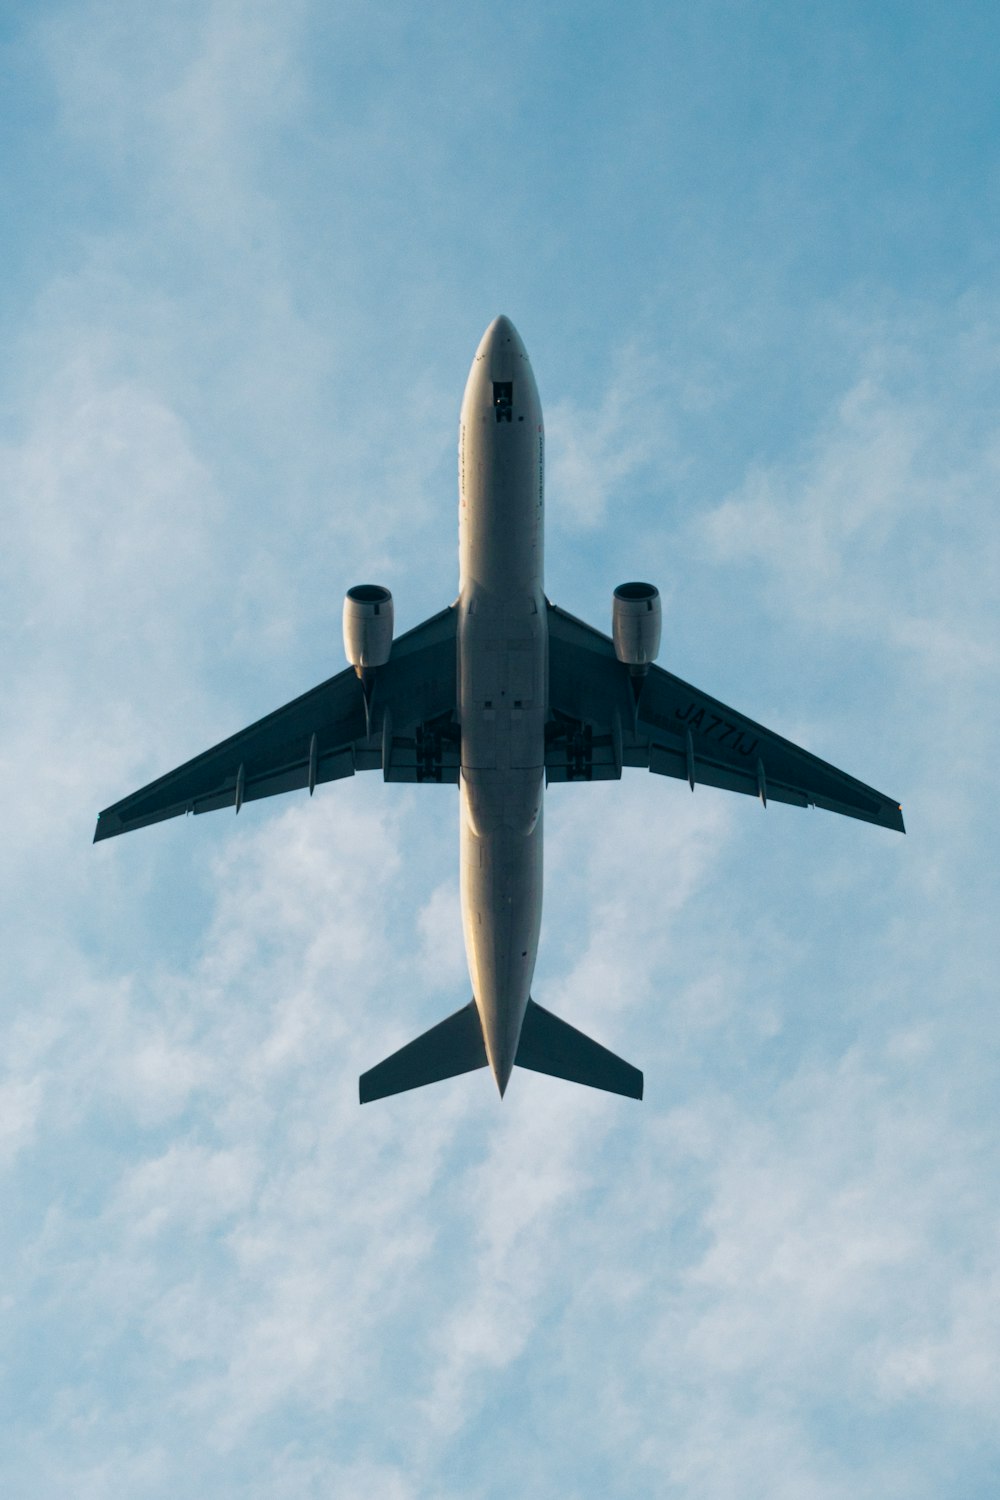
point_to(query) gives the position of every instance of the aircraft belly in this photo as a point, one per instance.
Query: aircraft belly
(503, 658)
(502, 687)
(501, 504)
(501, 913)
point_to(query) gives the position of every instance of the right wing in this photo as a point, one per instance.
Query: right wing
(598, 725)
(409, 732)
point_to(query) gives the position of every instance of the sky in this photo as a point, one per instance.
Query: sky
(248, 252)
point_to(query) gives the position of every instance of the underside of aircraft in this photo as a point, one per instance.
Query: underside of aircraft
(501, 694)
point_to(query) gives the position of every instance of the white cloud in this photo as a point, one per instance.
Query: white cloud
(883, 528)
(188, 1188)
(595, 452)
(442, 955)
(957, 1363)
(112, 516)
(183, 93)
(20, 1103)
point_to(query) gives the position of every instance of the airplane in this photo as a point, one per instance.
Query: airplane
(500, 694)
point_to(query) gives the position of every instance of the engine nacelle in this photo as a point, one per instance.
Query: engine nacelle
(367, 626)
(636, 621)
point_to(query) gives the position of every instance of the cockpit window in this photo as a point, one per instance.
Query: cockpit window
(503, 399)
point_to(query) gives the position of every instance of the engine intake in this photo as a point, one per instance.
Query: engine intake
(636, 621)
(368, 620)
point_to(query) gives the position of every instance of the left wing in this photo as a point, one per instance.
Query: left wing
(409, 733)
(598, 725)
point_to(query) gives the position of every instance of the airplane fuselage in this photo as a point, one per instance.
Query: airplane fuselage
(501, 692)
(502, 683)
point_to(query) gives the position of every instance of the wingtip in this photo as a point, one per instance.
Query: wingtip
(890, 815)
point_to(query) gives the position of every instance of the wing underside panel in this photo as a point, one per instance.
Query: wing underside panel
(604, 719)
(407, 729)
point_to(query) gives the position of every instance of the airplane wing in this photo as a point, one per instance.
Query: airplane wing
(410, 733)
(597, 726)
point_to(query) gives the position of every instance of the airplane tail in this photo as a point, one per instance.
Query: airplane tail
(456, 1045)
(551, 1046)
(452, 1046)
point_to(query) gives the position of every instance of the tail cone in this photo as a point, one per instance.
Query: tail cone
(501, 1068)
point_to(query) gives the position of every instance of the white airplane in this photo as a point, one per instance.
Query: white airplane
(500, 693)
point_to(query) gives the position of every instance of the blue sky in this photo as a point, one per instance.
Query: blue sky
(249, 250)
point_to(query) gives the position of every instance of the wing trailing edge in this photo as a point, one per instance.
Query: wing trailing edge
(325, 734)
(603, 720)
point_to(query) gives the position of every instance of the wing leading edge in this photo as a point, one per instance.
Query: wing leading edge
(599, 725)
(408, 731)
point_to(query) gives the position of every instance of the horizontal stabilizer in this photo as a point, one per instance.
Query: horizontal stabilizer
(452, 1046)
(549, 1045)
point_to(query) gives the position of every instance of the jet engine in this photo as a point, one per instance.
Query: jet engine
(636, 619)
(367, 626)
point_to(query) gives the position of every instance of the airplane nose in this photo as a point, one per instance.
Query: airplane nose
(502, 361)
(501, 347)
(502, 331)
